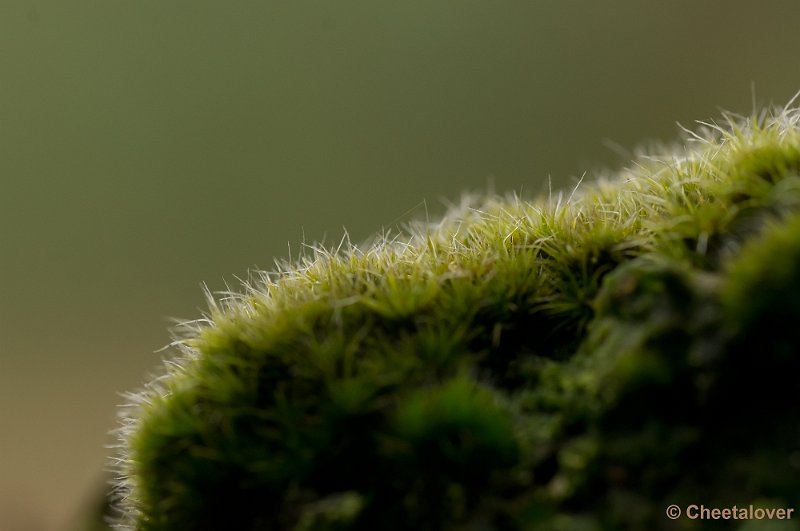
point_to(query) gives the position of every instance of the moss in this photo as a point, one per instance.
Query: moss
(573, 362)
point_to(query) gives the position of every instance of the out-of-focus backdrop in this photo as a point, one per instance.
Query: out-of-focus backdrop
(147, 146)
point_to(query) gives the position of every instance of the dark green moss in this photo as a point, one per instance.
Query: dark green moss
(577, 363)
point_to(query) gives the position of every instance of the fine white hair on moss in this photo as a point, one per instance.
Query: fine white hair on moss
(488, 305)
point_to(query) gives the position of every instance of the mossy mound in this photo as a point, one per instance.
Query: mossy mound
(578, 362)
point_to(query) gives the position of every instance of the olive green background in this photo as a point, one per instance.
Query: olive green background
(147, 146)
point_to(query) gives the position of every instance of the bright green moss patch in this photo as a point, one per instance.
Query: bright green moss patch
(576, 362)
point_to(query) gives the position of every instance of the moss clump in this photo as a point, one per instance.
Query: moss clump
(575, 362)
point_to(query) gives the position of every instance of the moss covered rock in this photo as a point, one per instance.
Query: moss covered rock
(576, 362)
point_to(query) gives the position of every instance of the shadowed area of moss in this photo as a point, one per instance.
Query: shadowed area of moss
(578, 362)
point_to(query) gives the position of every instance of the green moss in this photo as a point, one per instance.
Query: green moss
(573, 362)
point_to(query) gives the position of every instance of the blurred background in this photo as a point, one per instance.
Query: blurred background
(148, 146)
